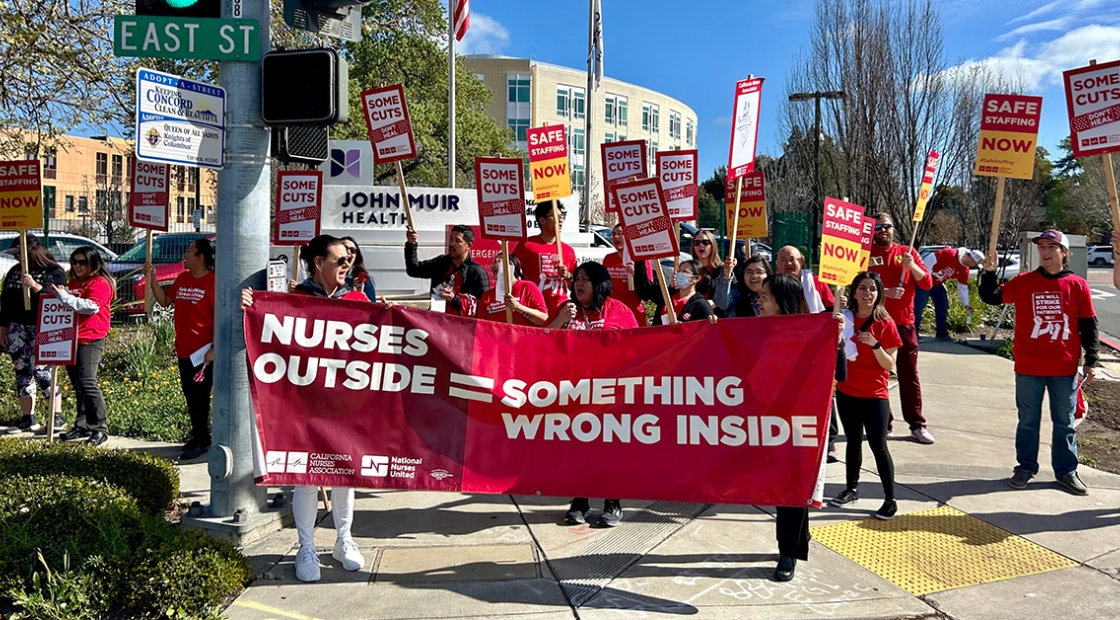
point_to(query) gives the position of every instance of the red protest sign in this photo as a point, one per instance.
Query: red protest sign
(390, 129)
(866, 236)
(744, 127)
(548, 162)
(645, 220)
(622, 161)
(56, 339)
(841, 241)
(679, 181)
(1093, 102)
(542, 415)
(501, 198)
(21, 195)
(753, 221)
(150, 200)
(299, 195)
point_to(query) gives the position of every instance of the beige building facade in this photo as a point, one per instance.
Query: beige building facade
(528, 93)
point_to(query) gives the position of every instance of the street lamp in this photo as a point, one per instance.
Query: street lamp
(818, 189)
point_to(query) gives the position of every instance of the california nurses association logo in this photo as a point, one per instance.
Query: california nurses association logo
(153, 137)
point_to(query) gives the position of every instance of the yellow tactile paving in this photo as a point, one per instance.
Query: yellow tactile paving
(938, 549)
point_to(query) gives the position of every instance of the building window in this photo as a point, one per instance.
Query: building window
(651, 151)
(118, 167)
(690, 133)
(179, 206)
(83, 204)
(563, 101)
(518, 127)
(570, 102)
(192, 178)
(518, 86)
(50, 164)
(647, 116)
(608, 138)
(578, 146)
(579, 109)
(102, 167)
(190, 207)
(609, 110)
(48, 199)
(69, 201)
(180, 178)
(674, 125)
(620, 103)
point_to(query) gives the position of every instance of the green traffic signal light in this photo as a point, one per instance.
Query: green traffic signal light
(181, 4)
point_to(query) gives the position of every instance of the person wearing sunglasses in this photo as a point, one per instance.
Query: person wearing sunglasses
(705, 250)
(454, 277)
(551, 272)
(326, 260)
(359, 277)
(902, 272)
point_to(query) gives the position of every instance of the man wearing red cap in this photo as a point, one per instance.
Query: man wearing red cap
(1054, 321)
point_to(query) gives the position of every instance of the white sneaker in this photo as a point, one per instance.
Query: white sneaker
(307, 564)
(346, 551)
(921, 435)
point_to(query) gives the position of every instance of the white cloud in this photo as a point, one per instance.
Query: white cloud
(1042, 10)
(1061, 24)
(485, 36)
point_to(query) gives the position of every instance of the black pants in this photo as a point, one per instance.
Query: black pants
(793, 532)
(83, 376)
(833, 423)
(585, 503)
(198, 399)
(870, 415)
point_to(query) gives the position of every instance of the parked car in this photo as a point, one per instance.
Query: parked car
(1100, 255)
(60, 245)
(167, 257)
(1008, 267)
(926, 250)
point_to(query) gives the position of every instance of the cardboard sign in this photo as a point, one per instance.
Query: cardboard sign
(548, 162)
(867, 236)
(1093, 101)
(744, 127)
(679, 181)
(621, 162)
(299, 195)
(841, 241)
(277, 274)
(501, 198)
(1008, 136)
(927, 186)
(150, 200)
(21, 195)
(390, 130)
(645, 220)
(56, 340)
(752, 206)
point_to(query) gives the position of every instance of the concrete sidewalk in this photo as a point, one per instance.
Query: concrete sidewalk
(439, 555)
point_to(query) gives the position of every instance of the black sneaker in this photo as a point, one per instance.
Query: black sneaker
(846, 498)
(578, 512)
(887, 511)
(26, 424)
(96, 438)
(1072, 483)
(1019, 479)
(612, 514)
(785, 569)
(59, 422)
(74, 433)
(193, 452)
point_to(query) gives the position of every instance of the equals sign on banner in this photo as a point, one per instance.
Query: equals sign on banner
(471, 387)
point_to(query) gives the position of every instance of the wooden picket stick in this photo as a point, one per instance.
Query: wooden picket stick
(735, 220)
(404, 195)
(836, 290)
(665, 293)
(148, 265)
(993, 239)
(507, 276)
(556, 223)
(326, 498)
(676, 257)
(295, 263)
(51, 405)
(1110, 183)
(23, 266)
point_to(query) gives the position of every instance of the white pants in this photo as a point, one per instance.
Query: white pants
(305, 507)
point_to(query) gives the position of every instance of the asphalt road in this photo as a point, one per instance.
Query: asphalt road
(1106, 301)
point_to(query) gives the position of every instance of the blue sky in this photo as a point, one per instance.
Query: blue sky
(696, 51)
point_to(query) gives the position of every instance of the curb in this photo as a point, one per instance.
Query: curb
(1109, 342)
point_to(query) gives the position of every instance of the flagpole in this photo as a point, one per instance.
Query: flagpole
(451, 94)
(589, 108)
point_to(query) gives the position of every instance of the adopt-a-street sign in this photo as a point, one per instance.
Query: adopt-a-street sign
(204, 38)
(179, 121)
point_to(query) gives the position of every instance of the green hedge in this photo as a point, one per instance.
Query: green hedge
(153, 482)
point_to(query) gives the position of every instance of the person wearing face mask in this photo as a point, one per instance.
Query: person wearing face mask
(1054, 321)
(740, 299)
(359, 278)
(689, 280)
(862, 398)
(623, 272)
(525, 299)
(328, 265)
(542, 266)
(454, 276)
(593, 307)
(817, 294)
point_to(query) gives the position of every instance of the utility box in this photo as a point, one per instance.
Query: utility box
(1078, 253)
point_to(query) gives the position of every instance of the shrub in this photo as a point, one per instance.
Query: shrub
(151, 481)
(54, 595)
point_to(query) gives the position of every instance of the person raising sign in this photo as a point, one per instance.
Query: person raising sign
(455, 277)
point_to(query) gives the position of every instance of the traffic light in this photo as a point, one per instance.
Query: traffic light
(304, 87)
(179, 8)
(341, 19)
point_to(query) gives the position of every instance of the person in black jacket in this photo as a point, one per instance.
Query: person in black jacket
(692, 283)
(18, 326)
(455, 278)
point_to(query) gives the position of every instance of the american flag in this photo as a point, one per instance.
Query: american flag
(462, 16)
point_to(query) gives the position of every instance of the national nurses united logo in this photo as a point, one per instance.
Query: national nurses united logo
(153, 137)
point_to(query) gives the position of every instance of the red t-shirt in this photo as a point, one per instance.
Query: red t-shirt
(825, 291)
(354, 295)
(93, 327)
(866, 377)
(887, 262)
(622, 292)
(527, 293)
(538, 264)
(614, 315)
(948, 266)
(1047, 341)
(194, 312)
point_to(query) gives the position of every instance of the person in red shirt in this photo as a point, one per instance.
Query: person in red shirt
(328, 264)
(902, 272)
(1054, 321)
(623, 272)
(817, 294)
(592, 307)
(88, 292)
(525, 300)
(540, 262)
(862, 398)
(192, 294)
(944, 265)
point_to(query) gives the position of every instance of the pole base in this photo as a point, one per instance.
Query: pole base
(242, 528)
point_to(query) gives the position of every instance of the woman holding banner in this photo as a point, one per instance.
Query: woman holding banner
(862, 399)
(525, 300)
(739, 298)
(626, 274)
(592, 307)
(327, 260)
(359, 278)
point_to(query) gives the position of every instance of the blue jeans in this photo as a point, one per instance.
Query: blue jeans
(1063, 440)
(940, 307)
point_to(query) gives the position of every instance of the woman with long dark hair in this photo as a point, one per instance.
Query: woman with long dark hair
(89, 292)
(692, 282)
(359, 278)
(192, 293)
(705, 249)
(18, 327)
(328, 263)
(525, 300)
(862, 398)
(739, 298)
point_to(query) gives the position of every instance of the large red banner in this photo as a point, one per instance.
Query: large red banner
(365, 395)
